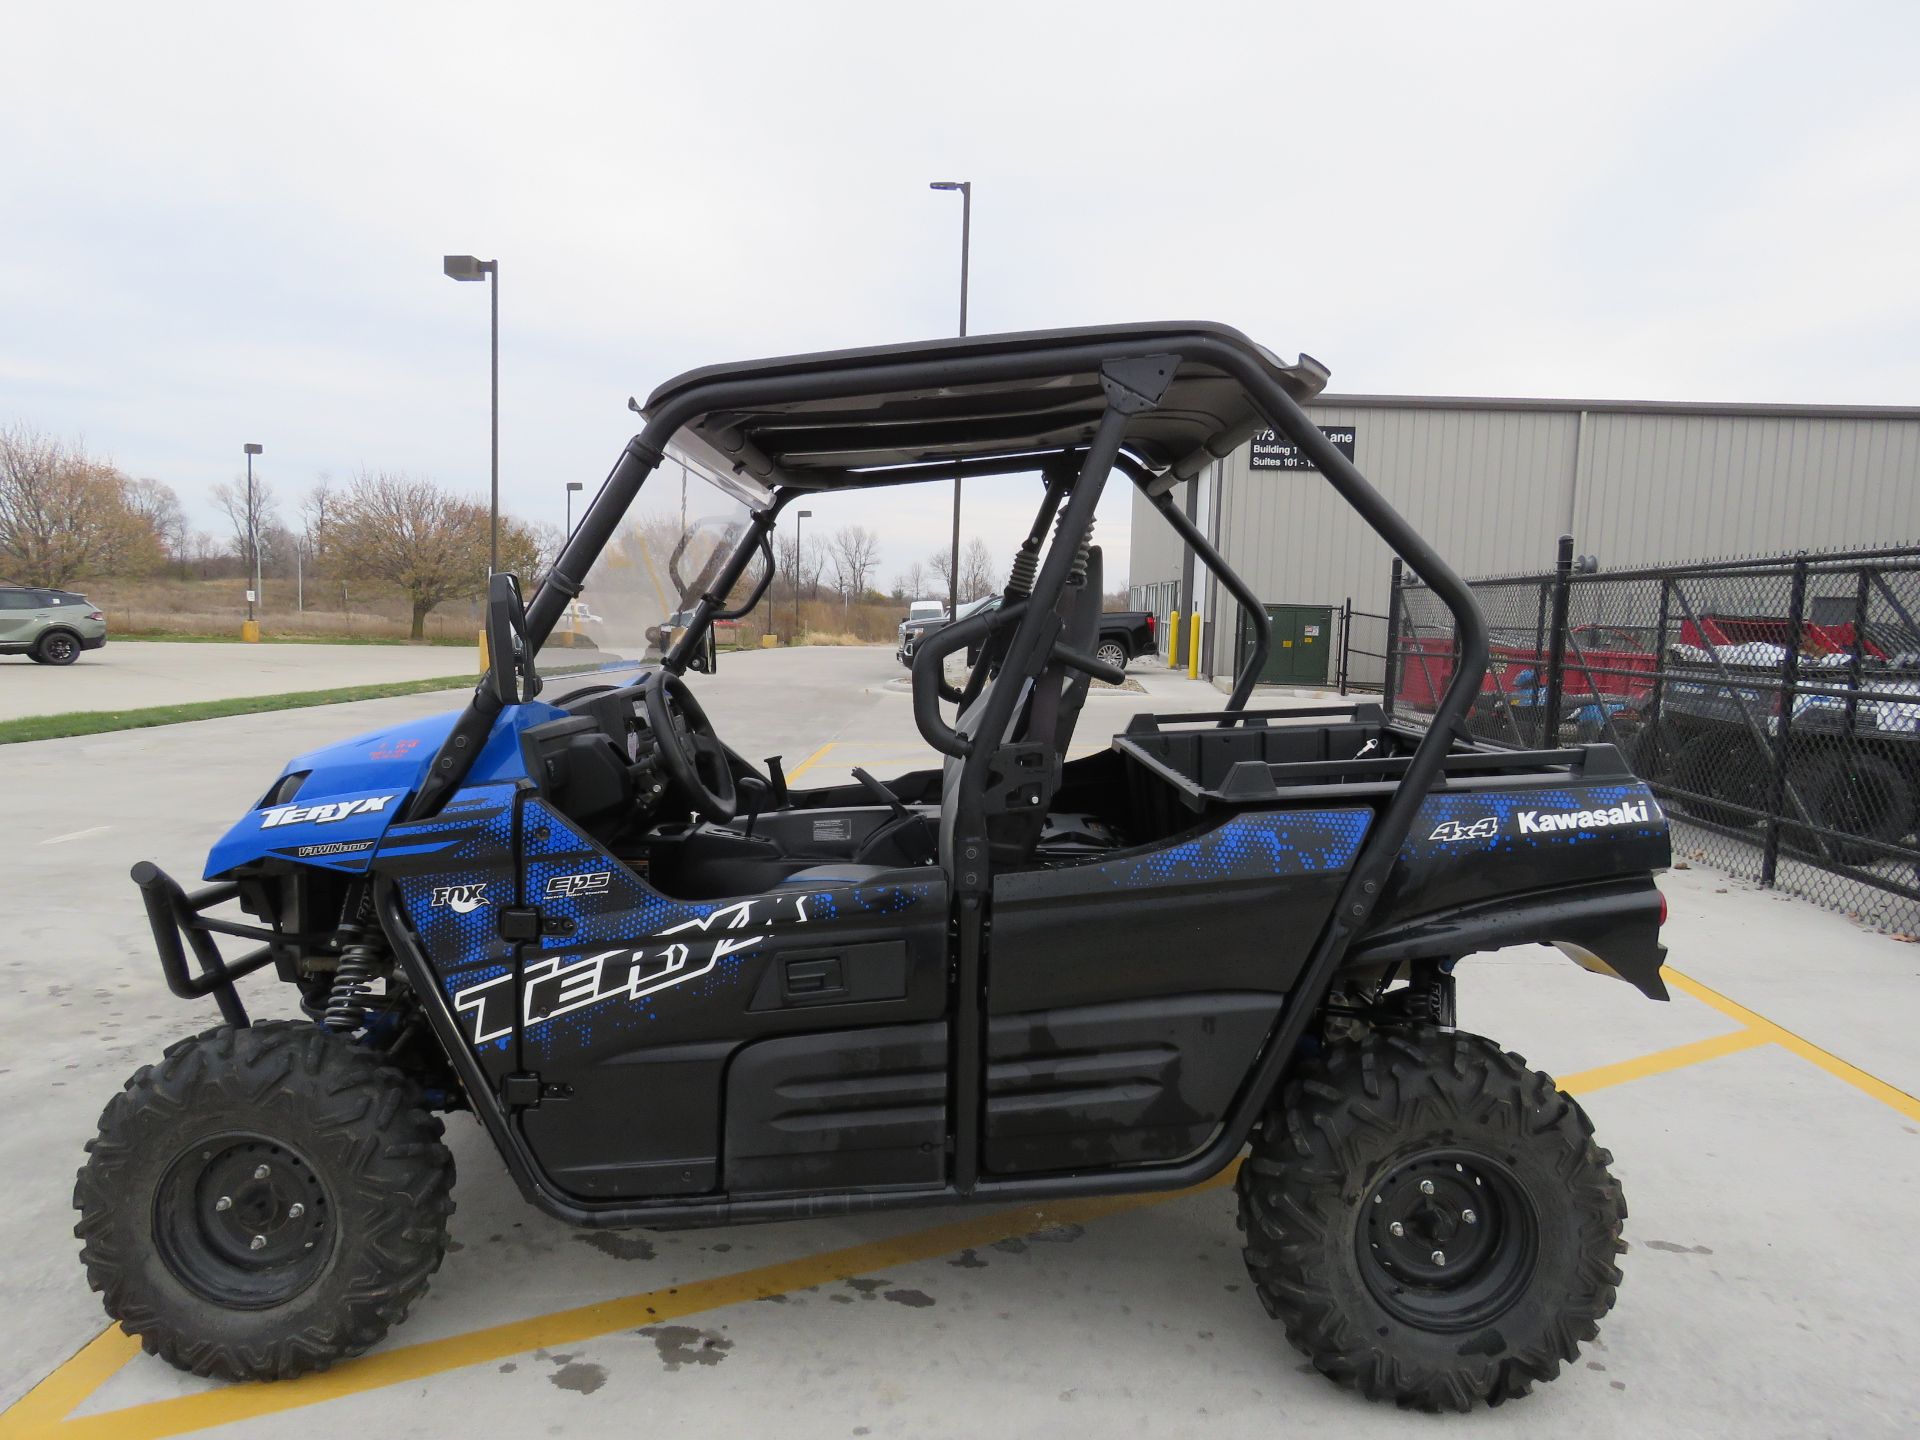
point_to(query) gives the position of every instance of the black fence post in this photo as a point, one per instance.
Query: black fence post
(1346, 640)
(1650, 722)
(1783, 722)
(1557, 643)
(1389, 686)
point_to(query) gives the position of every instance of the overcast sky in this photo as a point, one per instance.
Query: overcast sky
(224, 223)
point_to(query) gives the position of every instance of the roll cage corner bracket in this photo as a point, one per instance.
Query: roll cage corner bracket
(1134, 377)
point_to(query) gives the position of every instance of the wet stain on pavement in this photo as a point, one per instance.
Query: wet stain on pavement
(915, 1299)
(967, 1260)
(681, 1345)
(580, 1376)
(619, 1245)
(1673, 1249)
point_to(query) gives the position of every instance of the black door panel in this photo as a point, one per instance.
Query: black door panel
(822, 1112)
(1102, 1085)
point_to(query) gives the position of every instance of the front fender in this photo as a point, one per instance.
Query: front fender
(1611, 927)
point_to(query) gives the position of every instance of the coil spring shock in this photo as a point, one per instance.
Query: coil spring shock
(1078, 574)
(1026, 564)
(347, 1000)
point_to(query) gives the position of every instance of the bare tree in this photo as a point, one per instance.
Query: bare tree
(977, 573)
(231, 501)
(423, 540)
(856, 554)
(63, 515)
(941, 564)
(911, 583)
(158, 508)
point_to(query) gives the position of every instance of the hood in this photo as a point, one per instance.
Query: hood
(330, 806)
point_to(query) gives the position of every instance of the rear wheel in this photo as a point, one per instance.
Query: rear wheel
(1862, 794)
(1431, 1220)
(1112, 652)
(263, 1202)
(1718, 766)
(57, 647)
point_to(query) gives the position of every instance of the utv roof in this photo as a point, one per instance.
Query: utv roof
(850, 418)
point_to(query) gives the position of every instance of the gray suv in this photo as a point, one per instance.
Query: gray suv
(52, 626)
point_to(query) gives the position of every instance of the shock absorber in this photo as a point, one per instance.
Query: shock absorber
(1026, 563)
(1078, 574)
(359, 963)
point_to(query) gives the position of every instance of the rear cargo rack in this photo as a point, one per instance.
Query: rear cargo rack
(1247, 759)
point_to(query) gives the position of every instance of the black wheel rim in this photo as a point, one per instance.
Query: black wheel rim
(1447, 1239)
(59, 649)
(243, 1221)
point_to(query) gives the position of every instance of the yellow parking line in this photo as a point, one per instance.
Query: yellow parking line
(1661, 1061)
(808, 763)
(1867, 1084)
(40, 1413)
(181, 1414)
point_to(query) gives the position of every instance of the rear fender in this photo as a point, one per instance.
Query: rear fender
(1610, 927)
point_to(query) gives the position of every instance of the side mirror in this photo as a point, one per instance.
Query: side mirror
(509, 655)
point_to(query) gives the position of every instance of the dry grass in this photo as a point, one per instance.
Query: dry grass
(216, 607)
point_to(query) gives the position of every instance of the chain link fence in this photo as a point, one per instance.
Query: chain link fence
(1772, 703)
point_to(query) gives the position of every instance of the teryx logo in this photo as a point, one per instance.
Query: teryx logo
(557, 986)
(1532, 822)
(323, 814)
(461, 899)
(1449, 831)
(565, 887)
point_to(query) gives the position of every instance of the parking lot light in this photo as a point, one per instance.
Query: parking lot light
(251, 631)
(468, 267)
(799, 564)
(965, 187)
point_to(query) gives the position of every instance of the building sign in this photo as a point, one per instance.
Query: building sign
(1270, 452)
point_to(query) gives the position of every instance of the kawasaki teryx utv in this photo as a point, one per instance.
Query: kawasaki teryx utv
(676, 991)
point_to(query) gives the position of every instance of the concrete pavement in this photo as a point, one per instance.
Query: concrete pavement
(133, 674)
(1768, 1289)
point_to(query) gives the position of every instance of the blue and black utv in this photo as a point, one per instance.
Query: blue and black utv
(676, 991)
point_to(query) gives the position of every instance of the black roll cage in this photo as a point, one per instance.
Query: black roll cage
(1135, 371)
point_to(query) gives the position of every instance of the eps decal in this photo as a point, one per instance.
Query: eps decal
(565, 887)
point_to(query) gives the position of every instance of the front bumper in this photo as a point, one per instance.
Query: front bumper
(178, 920)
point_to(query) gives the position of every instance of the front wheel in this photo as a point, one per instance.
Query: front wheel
(263, 1202)
(1431, 1220)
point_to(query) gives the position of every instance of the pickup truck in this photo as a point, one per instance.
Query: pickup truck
(1125, 635)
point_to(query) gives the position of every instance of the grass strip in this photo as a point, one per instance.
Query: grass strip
(98, 722)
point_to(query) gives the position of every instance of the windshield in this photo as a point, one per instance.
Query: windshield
(666, 552)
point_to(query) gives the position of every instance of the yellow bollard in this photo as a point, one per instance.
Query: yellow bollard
(250, 631)
(1173, 639)
(1193, 650)
(767, 642)
(483, 651)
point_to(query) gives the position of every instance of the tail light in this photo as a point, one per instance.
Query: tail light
(1150, 622)
(95, 615)
(1663, 907)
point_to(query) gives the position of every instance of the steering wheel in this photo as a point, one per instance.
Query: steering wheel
(695, 759)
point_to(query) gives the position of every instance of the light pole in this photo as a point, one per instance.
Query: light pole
(572, 485)
(253, 530)
(799, 565)
(965, 187)
(466, 267)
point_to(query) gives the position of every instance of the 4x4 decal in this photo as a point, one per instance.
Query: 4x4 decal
(1448, 832)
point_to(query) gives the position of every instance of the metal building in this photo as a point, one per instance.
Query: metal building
(1494, 482)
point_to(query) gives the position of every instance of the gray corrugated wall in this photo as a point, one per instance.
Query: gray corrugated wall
(1492, 489)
